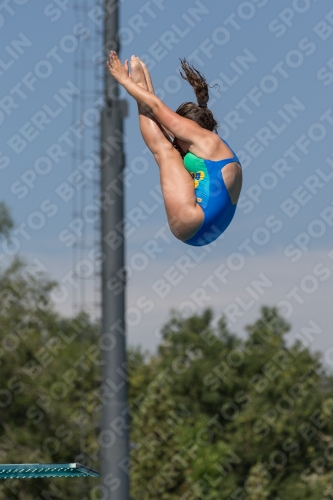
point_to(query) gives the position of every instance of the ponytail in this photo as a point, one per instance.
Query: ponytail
(197, 112)
(197, 81)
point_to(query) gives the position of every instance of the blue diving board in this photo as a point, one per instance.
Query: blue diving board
(20, 471)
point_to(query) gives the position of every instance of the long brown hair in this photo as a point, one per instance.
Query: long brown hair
(199, 112)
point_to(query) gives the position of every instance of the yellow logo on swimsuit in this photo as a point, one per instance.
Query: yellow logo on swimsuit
(197, 177)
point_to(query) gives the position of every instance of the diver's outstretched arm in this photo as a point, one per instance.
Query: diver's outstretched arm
(180, 127)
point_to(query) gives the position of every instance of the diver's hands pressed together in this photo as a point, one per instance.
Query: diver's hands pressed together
(117, 69)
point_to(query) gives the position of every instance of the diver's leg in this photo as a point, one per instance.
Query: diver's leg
(151, 130)
(185, 216)
(150, 87)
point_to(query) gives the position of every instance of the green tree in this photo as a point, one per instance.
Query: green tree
(257, 413)
(50, 374)
(156, 437)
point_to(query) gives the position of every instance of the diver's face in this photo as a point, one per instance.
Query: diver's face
(181, 146)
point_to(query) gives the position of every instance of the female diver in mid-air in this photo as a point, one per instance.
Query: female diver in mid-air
(200, 199)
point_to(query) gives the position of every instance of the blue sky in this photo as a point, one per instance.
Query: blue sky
(274, 69)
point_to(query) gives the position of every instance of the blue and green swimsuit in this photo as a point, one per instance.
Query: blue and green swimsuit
(212, 196)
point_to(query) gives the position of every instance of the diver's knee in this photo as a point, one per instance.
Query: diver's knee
(186, 223)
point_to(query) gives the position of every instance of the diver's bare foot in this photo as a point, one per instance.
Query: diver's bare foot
(147, 76)
(137, 72)
(117, 70)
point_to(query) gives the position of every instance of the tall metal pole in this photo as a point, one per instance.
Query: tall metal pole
(114, 426)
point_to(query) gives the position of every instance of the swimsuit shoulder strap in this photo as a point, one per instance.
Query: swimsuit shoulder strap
(235, 157)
